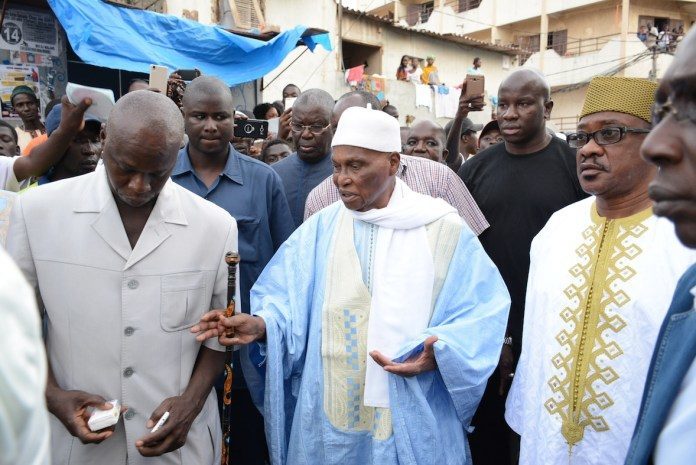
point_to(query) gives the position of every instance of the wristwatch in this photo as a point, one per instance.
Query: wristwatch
(508, 341)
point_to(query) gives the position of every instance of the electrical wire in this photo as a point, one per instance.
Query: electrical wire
(611, 72)
(647, 52)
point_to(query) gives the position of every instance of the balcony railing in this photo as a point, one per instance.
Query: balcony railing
(565, 123)
(568, 48)
(582, 46)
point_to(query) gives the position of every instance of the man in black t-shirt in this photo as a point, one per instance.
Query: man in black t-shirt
(518, 185)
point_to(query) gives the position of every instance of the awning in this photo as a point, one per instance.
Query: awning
(122, 38)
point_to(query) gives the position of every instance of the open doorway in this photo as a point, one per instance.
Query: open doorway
(662, 24)
(356, 54)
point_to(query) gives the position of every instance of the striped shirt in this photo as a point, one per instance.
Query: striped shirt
(421, 175)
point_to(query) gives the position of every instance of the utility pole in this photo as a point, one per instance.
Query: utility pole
(625, 5)
(339, 42)
(651, 43)
(653, 71)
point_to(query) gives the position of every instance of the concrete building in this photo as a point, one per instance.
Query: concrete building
(380, 42)
(581, 38)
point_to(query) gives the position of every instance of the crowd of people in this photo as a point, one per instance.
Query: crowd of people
(486, 294)
(661, 37)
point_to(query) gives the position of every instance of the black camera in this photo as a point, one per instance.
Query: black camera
(251, 129)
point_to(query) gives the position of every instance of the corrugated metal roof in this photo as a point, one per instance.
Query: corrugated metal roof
(457, 38)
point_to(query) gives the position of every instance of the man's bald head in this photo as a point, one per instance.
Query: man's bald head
(427, 139)
(144, 110)
(140, 145)
(207, 87)
(524, 105)
(528, 79)
(428, 125)
(312, 108)
(356, 98)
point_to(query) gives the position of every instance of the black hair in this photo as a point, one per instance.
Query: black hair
(12, 129)
(279, 106)
(267, 145)
(401, 63)
(293, 85)
(261, 109)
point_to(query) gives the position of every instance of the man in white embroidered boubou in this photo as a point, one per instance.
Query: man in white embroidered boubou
(603, 271)
(376, 325)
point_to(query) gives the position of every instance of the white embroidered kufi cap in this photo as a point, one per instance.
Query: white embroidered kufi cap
(369, 129)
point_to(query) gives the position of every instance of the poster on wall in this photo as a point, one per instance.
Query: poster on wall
(29, 31)
(13, 76)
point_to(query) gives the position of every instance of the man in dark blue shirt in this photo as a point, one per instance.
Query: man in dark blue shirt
(253, 194)
(311, 163)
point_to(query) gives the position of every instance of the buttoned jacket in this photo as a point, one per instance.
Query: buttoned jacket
(118, 318)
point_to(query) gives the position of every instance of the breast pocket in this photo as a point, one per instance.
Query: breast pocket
(183, 301)
(248, 236)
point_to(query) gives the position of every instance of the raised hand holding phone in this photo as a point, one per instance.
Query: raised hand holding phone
(158, 78)
(472, 93)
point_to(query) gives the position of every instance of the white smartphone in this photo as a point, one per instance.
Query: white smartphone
(289, 102)
(158, 78)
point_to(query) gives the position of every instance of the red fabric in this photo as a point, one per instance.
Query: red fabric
(355, 74)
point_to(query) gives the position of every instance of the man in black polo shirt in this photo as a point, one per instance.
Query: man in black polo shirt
(518, 185)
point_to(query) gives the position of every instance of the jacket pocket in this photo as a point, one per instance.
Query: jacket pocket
(248, 236)
(183, 300)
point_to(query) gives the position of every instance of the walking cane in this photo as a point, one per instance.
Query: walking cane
(232, 260)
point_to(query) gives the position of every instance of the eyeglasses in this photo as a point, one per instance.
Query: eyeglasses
(315, 129)
(661, 111)
(605, 136)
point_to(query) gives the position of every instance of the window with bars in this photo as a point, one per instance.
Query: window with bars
(241, 14)
(466, 5)
(420, 13)
(158, 6)
(529, 44)
(558, 40)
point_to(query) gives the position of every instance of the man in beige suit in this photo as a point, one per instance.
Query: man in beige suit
(125, 262)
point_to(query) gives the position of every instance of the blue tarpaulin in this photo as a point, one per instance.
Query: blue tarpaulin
(122, 38)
